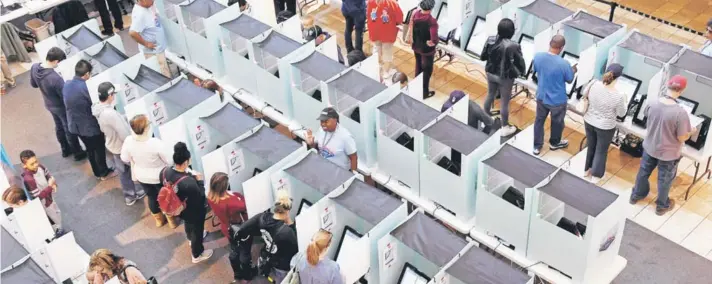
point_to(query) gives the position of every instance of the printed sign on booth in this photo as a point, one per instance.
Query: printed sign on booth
(281, 184)
(389, 255)
(201, 136)
(327, 217)
(130, 93)
(158, 111)
(236, 161)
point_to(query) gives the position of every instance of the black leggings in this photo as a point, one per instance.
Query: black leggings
(424, 64)
(152, 193)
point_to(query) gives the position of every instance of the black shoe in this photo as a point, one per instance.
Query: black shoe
(58, 233)
(80, 156)
(561, 145)
(107, 32)
(661, 211)
(429, 95)
(66, 154)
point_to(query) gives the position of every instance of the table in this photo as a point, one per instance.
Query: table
(13, 15)
(31, 7)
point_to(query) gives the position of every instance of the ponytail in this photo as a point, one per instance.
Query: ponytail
(318, 245)
(608, 78)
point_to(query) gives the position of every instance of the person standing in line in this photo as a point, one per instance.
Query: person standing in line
(354, 12)
(333, 141)
(384, 16)
(82, 123)
(553, 73)
(424, 38)
(314, 267)
(51, 84)
(147, 156)
(602, 104)
(505, 63)
(116, 130)
(706, 48)
(7, 79)
(668, 127)
(147, 31)
(108, 29)
(190, 190)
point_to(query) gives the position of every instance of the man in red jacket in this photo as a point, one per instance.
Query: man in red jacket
(384, 16)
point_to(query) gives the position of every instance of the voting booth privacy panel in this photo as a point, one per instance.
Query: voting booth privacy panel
(476, 266)
(115, 52)
(307, 83)
(417, 249)
(200, 32)
(72, 40)
(130, 87)
(503, 180)
(399, 143)
(472, 34)
(576, 227)
(170, 18)
(452, 151)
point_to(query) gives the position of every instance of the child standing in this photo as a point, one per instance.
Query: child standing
(40, 183)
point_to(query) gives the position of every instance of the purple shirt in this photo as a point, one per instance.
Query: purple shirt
(666, 122)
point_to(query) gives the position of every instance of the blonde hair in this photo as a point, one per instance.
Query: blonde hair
(14, 195)
(139, 123)
(318, 245)
(283, 202)
(608, 78)
(307, 21)
(104, 259)
(219, 184)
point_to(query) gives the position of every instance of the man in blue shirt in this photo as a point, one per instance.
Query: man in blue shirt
(553, 72)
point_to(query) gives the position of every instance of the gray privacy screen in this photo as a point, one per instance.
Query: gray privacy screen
(203, 8)
(231, 121)
(278, 45)
(429, 239)
(696, 63)
(83, 38)
(27, 272)
(409, 111)
(11, 251)
(648, 46)
(109, 55)
(367, 202)
(456, 135)
(320, 66)
(578, 193)
(245, 26)
(479, 267)
(270, 145)
(149, 79)
(593, 25)
(357, 85)
(520, 166)
(547, 11)
(319, 173)
(185, 94)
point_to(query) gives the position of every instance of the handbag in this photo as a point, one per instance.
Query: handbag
(293, 274)
(632, 145)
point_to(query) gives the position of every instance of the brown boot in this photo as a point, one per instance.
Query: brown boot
(160, 219)
(173, 222)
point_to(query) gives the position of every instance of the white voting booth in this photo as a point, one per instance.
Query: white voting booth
(503, 209)
(449, 14)
(308, 76)
(201, 33)
(169, 16)
(576, 227)
(115, 64)
(452, 151)
(71, 40)
(416, 250)
(357, 215)
(472, 35)
(132, 85)
(399, 142)
(249, 155)
(110, 50)
(476, 265)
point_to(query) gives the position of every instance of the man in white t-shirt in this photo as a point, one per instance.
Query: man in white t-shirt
(334, 142)
(147, 31)
(707, 47)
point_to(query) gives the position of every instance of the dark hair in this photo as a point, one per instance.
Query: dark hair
(26, 155)
(82, 68)
(104, 91)
(55, 54)
(399, 77)
(505, 29)
(180, 153)
(355, 56)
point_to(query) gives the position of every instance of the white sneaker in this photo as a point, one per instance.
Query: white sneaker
(203, 256)
(595, 180)
(508, 130)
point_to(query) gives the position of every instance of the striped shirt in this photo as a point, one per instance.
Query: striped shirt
(604, 106)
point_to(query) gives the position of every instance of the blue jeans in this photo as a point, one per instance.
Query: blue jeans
(356, 21)
(557, 123)
(667, 170)
(130, 188)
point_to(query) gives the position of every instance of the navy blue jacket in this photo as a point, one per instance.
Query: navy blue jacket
(353, 7)
(76, 99)
(51, 85)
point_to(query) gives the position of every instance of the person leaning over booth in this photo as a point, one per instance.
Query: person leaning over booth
(147, 31)
(668, 127)
(706, 48)
(333, 141)
(104, 265)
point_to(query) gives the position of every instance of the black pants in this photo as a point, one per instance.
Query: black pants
(289, 5)
(241, 260)
(354, 22)
(597, 141)
(104, 14)
(194, 233)
(96, 151)
(424, 64)
(152, 194)
(68, 141)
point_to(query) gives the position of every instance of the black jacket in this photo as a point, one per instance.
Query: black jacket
(283, 235)
(192, 192)
(67, 15)
(504, 58)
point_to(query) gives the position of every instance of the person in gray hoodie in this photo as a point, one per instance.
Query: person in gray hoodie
(51, 84)
(116, 129)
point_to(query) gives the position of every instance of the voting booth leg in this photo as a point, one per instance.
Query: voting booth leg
(695, 178)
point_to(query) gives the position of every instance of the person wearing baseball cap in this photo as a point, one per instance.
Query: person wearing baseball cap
(333, 141)
(603, 104)
(706, 48)
(668, 128)
(116, 129)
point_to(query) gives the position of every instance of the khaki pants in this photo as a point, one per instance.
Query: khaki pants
(54, 213)
(162, 62)
(6, 72)
(385, 56)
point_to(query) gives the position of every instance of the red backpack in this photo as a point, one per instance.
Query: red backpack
(168, 199)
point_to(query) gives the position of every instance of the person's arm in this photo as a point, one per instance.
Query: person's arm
(135, 276)
(33, 83)
(125, 154)
(622, 107)
(311, 141)
(337, 277)
(137, 26)
(250, 226)
(434, 39)
(684, 129)
(484, 55)
(519, 62)
(58, 86)
(119, 124)
(398, 14)
(351, 151)
(568, 72)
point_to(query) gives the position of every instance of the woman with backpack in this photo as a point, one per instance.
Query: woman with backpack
(424, 37)
(183, 189)
(104, 265)
(315, 267)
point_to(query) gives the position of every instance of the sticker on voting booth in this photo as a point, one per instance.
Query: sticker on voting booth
(328, 215)
(443, 279)
(236, 161)
(130, 92)
(281, 184)
(201, 136)
(158, 111)
(389, 255)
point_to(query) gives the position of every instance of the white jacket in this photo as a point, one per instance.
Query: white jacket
(113, 125)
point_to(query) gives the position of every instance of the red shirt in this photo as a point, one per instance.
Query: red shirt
(383, 18)
(225, 208)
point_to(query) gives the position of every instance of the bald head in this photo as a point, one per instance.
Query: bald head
(557, 44)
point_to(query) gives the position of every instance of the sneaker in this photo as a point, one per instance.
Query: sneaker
(561, 145)
(141, 196)
(536, 152)
(66, 154)
(80, 156)
(59, 233)
(661, 211)
(595, 180)
(508, 130)
(107, 32)
(429, 95)
(130, 201)
(112, 173)
(203, 256)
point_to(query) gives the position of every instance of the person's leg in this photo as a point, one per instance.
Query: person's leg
(348, 29)
(505, 93)
(108, 28)
(542, 111)
(100, 155)
(127, 184)
(54, 213)
(428, 62)
(91, 153)
(492, 89)
(360, 26)
(72, 140)
(642, 185)
(6, 71)
(162, 62)
(591, 142)
(116, 13)
(558, 113)
(152, 194)
(666, 174)
(292, 6)
(196, 237)
(59, 130)
(418, 63)
(599, 160)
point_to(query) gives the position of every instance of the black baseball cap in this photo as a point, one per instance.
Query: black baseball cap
(327, 113)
